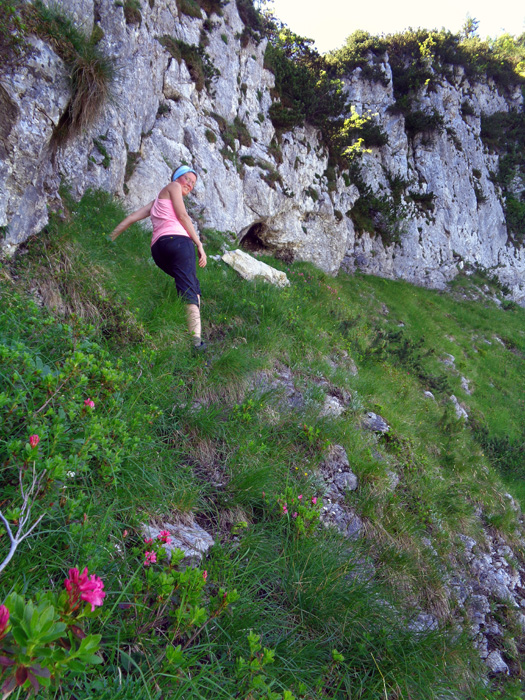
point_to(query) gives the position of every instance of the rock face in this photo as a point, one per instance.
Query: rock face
(272, 191)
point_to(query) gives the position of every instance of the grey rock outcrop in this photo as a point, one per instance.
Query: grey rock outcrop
(375, 423)
(458, 408)
(339, 480)
(185, 535)
(270, 191)
(251, 269)
(487, 578)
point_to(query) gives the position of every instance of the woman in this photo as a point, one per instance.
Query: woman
(173, 243)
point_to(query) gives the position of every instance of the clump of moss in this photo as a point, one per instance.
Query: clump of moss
(131, 162)
(99, 145)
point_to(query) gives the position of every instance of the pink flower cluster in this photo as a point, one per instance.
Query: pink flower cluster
(4, 620)
(34, 440)
(164, 536)
(89, 403)
(151, 558)
(80, 586)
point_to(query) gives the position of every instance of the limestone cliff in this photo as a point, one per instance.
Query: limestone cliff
(272, 191)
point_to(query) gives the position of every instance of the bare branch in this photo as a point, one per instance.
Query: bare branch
(25, 515)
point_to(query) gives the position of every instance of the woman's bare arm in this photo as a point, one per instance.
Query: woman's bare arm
(138, 215)
(175, 192)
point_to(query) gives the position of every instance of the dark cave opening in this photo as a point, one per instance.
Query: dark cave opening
(253, 240)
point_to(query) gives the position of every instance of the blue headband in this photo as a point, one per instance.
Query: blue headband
(182, 170)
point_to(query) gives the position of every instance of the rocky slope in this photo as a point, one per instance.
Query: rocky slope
(271, 191)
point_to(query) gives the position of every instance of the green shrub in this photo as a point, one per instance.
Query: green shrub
(376, 213)
(164, 108)
(212, 7)
(236, 131)
(312, 193)
(424, 200)
(361, 50)
(419, 122)
(191, 8)
(253, 22)
(515, 217)
(504, 133)
(132, 12)
(467, 109)
(200, 67)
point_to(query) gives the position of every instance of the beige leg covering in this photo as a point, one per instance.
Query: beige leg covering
(193, 316)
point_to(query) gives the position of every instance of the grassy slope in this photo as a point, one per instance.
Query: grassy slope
(214, 446)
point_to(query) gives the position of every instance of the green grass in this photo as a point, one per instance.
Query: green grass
(170, 435)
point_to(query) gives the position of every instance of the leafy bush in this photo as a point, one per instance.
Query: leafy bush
(361, 50)
(42, 643)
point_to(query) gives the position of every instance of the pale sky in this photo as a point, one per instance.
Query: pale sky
(329, 22)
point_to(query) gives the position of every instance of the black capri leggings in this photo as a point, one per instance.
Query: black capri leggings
(175, 255)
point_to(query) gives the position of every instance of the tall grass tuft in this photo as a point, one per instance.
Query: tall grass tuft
(91, 72)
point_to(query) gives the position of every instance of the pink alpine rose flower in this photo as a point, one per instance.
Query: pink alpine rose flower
(90, 403)
(164, 536)
(148, 540)
(314, 500)
(205, 574)
(34, 440)
(4, 620)
(80, 586)
(150, 558)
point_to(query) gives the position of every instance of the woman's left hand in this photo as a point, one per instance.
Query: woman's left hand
(202, 257)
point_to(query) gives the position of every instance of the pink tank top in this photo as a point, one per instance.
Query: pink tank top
(164, 220)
